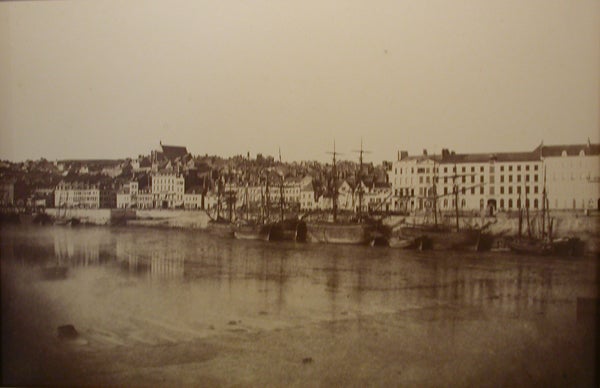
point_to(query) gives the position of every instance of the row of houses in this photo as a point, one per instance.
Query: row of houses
(565, 176)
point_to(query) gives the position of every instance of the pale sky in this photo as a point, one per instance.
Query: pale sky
(110, 79)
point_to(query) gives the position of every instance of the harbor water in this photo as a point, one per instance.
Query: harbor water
(181, 307)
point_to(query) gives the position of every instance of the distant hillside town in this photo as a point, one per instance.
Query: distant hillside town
(172, 178)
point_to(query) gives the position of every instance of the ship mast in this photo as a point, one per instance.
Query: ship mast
(359, 180)
(334, 181)
(281, 198)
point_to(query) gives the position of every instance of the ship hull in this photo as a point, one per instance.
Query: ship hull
(252, 232)
(443, 239)
(220, 229)
(331, 233)
(288, 230)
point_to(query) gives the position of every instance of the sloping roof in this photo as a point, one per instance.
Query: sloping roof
(487, 157)
(571, 149)
(173, 152)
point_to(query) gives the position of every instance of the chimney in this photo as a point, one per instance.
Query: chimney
(424, 152)
(445, 153)
(402, 155)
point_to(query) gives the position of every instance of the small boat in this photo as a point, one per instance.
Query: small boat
(72, 221)
(252, 231)
(220, 228)
(569, 246)
(421, 243)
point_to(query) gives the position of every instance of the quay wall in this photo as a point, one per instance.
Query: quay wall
(192, 219)
(94, 216)
(188, 219)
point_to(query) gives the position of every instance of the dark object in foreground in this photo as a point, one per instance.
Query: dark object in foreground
(67, 332)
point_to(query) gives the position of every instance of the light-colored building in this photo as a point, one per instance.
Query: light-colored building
(572, 175)
(83, 195)
(168, 189)
(490, 182)
(7, 193)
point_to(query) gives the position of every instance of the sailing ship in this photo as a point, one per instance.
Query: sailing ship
(543, 243)
(443, 237)
(356, 230)
(285, 229)
(252, 228)
(219, 225)
(64, 219)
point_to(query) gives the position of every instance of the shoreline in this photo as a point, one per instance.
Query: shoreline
(502, 225)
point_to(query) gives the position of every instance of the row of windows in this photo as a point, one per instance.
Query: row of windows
(492, 179)
(464, 169)
(410, 192)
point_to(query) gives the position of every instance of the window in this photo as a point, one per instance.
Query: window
(509, 168)
(518, 178)
(535, 189)
(501, 178)
(535, 203)
(481, 190)
(481, 179)
(492, 169)
(519, 190)
(481, 169)
(527, 190)
(463, 190)
(472, 190)
(445, 169)
(535, 178)
(510, 203)
(464, 169)
(464, 178)
(501, 189)
(535, 167)
(519, 167)
(472, 169)
(510, 178)
(527, 168)
(527, 178)
(502, 204)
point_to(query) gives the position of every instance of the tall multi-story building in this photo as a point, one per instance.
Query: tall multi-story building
(504, 181)
(569, 174)
(572, 175)
(168, 189)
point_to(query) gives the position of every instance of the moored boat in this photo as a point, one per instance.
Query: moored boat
(252, 231)
(220, 228)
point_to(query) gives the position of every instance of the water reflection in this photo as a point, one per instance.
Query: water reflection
(305, 279)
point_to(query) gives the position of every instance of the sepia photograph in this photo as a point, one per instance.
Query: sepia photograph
(334, 193)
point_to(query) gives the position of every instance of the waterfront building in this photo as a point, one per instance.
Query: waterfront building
(572, 175)
(481, 182)
(83, 195)
(307, 195)
(167, 189)
(7, 193)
